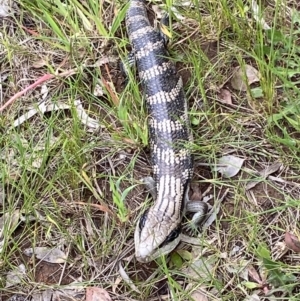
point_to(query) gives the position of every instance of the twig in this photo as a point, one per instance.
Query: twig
(19, 94)
(47, 77)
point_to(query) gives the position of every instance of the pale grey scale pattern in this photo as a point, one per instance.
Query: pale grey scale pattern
(168, 126)
(173, 94)
(173, 141)
(171, 165)
(167, 160)
(152, 54)
(150, 49)
(180, 171)
(142, 35)
(139, 34)
(163, 83)
(137, 19)
(172, 188)
(169, 136)
(155, 70)
(175, 109)
(165, 100)
(137, 8)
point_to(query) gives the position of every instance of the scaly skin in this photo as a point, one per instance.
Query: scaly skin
(158, 231)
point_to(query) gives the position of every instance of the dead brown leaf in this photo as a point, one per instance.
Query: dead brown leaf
(129, 141)
(229, 166)
(271, 169)
(199, 295)
(244, 77)
(52, 255)
(15, 276)
(292, 242)
(111, 89)
(196, 192)
(254, 275)
(97, 294)
(39, 64)
(8, 222)
(225, 97)
(264, 174)
(38, 82)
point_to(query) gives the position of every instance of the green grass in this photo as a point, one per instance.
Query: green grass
(79, 190)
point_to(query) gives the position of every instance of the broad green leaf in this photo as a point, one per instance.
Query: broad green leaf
(257, 92)
(176, 260)
(250, 285)
(263, 252)
(275, 36)
(295, 124)
(186, 255)
(195, 121)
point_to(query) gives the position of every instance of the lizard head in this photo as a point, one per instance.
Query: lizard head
(156, 234)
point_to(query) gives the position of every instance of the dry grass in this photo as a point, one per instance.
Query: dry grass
(71, 186)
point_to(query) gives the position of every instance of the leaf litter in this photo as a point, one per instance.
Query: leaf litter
(52, 255)
(224, 96)
(199, 295)
(292, 242)
(72, 292)
(97, 294)
(244, 77)
(214, 243)
(229, 166)
(15, 276)
(264, 174)
(91, 123)
(6, 8)
(8, 223)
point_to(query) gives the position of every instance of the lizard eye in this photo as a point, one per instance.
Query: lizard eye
(143, 220)
(172, 236)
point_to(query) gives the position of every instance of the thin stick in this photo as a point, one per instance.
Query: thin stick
(19, 94)
(50, 76)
